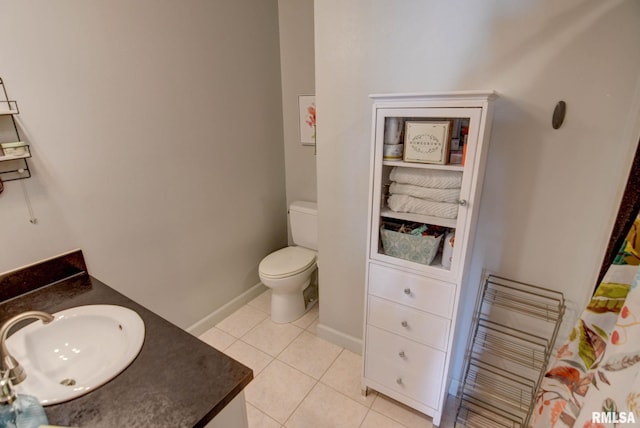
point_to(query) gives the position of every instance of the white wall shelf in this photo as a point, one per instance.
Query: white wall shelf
(15, 157)
(8, 107)
(12, 167)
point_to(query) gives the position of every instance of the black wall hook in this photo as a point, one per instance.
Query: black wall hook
(558, 114)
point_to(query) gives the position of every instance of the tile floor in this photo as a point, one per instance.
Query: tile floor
(301, 380)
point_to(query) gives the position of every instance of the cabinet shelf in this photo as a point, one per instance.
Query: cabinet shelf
(448, 167)
(419, 218)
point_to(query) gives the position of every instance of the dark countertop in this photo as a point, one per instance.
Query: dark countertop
(176, 381)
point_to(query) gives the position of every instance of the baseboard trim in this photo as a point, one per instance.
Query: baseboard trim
(339, 338)
(227, 309)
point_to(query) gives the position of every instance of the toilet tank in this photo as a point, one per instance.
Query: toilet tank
(303, 218)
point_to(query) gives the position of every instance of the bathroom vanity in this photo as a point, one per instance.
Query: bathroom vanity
(175, 381)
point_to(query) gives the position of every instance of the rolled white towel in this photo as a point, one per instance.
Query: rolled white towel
(434, 178)
(438, 195)
(409, 204)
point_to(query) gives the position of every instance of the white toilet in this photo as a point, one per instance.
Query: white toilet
(288, 271)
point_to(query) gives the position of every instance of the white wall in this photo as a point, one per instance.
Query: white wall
(298, 78)
(550, 196)
(156, 130)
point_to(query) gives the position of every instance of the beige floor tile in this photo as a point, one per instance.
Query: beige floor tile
(313, 328)
(262, 302)
(241, 321)
(376, 420)
(271, 337)
(257, 419)
(278, 390)
(344, 375)
(325, 407)
(217, 338)
(310, 354)
(400, 413)
(307, 319)
(249, 356)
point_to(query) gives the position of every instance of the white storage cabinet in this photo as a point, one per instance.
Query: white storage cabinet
(410, 307)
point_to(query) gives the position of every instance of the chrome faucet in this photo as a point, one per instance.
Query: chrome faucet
(7, 362)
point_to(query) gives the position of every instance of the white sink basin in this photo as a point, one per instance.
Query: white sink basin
(83, 348)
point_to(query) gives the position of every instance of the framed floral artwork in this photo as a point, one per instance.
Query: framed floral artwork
(307, 119)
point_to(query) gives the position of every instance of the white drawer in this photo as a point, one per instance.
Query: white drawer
(404, 366)
(413, 290)
(417, 325)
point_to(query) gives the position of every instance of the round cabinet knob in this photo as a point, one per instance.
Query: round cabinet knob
(401, 354)
(462, 202)
(404, 323)
(407, 291)
(399, 381)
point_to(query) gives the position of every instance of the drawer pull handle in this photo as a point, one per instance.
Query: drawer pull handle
(407, 291)
(404, 324)
(401, 354)
(399, 381)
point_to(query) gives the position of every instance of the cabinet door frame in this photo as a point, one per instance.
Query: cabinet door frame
(378, 168)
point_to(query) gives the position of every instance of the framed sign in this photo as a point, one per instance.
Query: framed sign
(307, 119)
(427, 142)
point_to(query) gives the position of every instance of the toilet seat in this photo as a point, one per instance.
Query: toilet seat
(286, 262)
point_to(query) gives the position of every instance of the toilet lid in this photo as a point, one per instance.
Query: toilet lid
(286, 262)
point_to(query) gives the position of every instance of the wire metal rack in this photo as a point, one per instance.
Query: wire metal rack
(12, 167)
(515, 327)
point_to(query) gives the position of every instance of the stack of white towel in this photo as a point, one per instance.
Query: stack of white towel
(425, 191)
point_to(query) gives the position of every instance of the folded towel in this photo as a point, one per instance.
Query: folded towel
(438, 195)
(434, 178)
(409, 204)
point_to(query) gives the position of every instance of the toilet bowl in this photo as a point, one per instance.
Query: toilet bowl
(289, 271)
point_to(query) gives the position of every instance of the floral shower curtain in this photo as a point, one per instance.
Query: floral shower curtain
(594, 380)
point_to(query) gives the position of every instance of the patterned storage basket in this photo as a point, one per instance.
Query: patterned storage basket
(419, 249)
